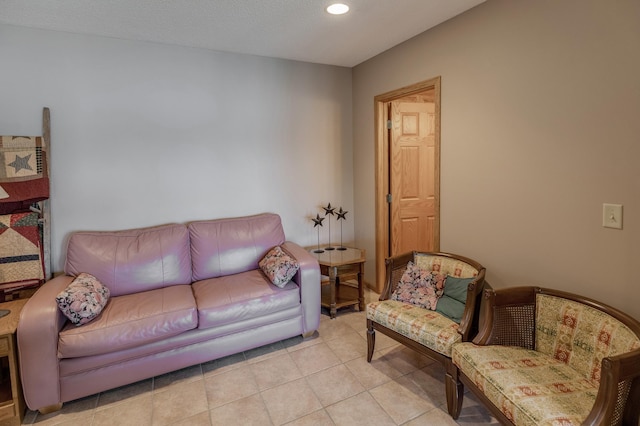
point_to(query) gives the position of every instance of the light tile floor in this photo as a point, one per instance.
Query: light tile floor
(321, 381)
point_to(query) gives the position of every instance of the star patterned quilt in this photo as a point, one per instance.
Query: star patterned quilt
(20, 249)
(24, 178)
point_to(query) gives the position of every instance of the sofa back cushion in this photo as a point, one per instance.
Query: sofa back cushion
(230, 246)
(580, 335)
(134, 260)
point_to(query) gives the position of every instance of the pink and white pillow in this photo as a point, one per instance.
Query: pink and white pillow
(419, 287)
(278, 266)
(83, 299)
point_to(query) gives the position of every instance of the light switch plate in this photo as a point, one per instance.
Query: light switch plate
(612, 216)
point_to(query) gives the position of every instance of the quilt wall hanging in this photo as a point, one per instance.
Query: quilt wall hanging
(20, 249)
(24, 178)
(24, 193)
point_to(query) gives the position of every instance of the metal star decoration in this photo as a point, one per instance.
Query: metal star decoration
(329, 210)
(342, 214)
(317, 221)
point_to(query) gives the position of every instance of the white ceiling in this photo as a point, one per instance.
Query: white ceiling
(290, 29)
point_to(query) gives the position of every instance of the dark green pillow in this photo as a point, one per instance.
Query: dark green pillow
(450, 308)
(456, 288)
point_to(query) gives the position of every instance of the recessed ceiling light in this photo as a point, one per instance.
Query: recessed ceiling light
(338, 9)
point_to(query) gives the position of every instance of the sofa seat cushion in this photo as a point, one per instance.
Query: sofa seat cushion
(132, 320)
(529, 387)
(241, 297)
(424, 326)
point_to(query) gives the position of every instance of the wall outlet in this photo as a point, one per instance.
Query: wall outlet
(612, 216)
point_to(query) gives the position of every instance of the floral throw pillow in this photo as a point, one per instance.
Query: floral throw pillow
(83, 299)
(278, 266)
(419, 287)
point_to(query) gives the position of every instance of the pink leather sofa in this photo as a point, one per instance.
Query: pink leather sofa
(180, 295)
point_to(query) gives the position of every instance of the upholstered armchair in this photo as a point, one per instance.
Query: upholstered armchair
(547, 357)
(426, 322)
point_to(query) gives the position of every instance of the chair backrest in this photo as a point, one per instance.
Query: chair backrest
(445, 265)
(579, 334)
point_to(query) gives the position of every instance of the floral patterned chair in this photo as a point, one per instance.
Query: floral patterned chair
(430, 302)
(546, 357)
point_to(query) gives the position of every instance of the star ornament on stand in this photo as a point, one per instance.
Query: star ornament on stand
(318, 222)
(329, 211)
(341, 214)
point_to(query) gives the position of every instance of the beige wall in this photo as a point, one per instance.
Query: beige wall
(540, 126)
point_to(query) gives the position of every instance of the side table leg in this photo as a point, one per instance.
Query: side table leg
(333, 282)
(361, 306)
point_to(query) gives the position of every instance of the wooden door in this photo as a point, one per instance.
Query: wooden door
(412, 175)
(427, 91)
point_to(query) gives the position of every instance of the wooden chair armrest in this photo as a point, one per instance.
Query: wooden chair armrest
(395, 267)
(508, 317)
(471, 315)
(618, 392)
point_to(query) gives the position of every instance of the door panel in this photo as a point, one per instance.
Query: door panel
(406, 232)
(412, 176)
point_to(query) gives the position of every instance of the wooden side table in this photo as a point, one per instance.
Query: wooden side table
(339, 266)
(12, 405)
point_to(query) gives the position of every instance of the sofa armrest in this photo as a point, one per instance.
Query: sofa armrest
(308, 279)
(40, 323)
(508, 317)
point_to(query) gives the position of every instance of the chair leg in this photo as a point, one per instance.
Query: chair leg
(371, 340)
(454, 390)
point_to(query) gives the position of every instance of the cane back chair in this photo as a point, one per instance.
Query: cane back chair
(429, 332)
